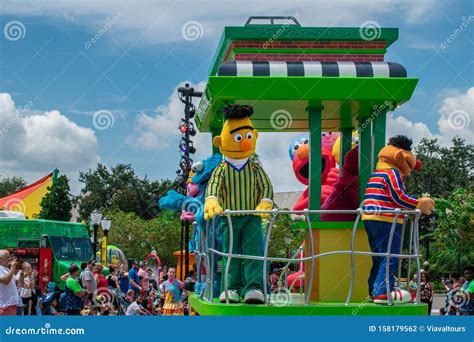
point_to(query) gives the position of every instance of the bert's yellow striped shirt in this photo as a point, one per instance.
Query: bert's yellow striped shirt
(239, 189)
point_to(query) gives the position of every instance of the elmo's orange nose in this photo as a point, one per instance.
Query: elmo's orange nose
(245, 145)
(303, 151)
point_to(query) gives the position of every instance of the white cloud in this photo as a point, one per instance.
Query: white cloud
(160, 131)
(162, 21)
(456, 119)
(400, 125)
(418, 11)
(34, 143)
(273, 151)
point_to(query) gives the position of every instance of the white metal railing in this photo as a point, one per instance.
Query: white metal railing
(284, 273)
(207, 251)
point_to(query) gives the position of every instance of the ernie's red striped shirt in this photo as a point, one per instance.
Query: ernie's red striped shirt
(386, 191)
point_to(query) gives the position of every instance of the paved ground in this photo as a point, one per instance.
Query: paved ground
(438, 302)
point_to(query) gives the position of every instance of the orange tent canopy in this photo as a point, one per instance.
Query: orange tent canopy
(28, 199)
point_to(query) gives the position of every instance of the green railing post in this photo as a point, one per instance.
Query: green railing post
(365, 155)
(315, 130)
(345, 144)
(379, 131)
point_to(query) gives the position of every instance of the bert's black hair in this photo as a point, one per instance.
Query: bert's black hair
(237, 112)
(401, 141)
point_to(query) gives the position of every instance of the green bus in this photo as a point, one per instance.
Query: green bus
(50, 246)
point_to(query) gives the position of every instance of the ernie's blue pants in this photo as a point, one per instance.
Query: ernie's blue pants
(379, 233)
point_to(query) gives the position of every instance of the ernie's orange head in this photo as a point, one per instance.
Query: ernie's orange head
(398, 153)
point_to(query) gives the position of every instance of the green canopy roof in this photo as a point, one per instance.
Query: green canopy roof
(342, 99)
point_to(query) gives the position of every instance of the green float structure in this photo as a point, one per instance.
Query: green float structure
(312, 79)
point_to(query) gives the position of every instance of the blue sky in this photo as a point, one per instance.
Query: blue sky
(134, 67)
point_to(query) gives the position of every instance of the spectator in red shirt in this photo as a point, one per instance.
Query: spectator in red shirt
(102, 294)
(145, 281)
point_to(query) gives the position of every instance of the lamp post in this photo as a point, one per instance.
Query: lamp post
(96, 217)
(105, 223)
(186, 148)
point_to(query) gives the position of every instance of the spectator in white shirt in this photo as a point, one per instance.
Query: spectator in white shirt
(8, 289)
(135, 308)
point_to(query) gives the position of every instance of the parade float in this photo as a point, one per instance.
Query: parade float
(310, 80)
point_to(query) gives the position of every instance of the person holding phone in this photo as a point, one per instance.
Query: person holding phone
(27, 290)
(8, 289)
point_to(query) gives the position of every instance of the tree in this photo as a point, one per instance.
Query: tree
(446, 174)
(444, 169)
(119, 189)
(284, 239)
(57, 203)
(137, 237)
(452, 232)
(9, 185)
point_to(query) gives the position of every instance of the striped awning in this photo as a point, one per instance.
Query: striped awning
(311, 69)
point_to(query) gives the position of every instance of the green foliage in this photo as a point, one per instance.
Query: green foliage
(284, 240)
(446, 174)
(452, 234)
(119, 189)
(137, 237)
(444, 169)
(57, 203)
(9, 185)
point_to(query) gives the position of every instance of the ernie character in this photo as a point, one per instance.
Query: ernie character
(386, 191)
(239, 183)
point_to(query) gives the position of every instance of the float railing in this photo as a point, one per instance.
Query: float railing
(207, 251)
(285, 269)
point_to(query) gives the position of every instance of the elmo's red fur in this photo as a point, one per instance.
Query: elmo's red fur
(346, 190)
